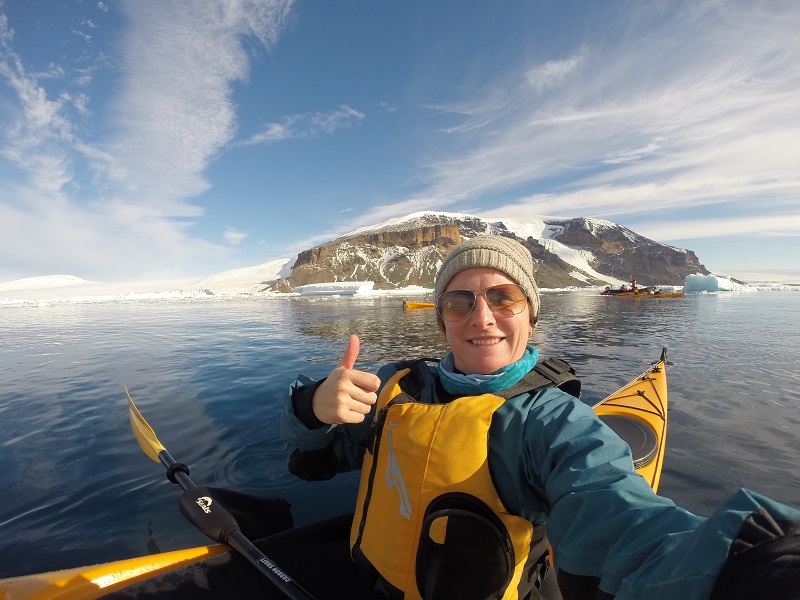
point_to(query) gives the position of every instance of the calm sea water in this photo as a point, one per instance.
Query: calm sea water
(209, 377)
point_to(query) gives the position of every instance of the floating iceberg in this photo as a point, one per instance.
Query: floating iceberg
(335, 288)
(711, 283)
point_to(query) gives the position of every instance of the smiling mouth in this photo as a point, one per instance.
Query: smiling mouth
(489, 342)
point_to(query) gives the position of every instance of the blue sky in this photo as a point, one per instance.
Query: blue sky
(158, 139)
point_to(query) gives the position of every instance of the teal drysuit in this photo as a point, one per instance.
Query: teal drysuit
(555, 463)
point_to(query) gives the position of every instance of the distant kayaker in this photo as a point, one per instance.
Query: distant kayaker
(505, 464)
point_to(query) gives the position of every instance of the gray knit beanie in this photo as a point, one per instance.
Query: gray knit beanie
(494, 252)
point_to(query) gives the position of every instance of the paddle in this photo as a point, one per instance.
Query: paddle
(211, 518)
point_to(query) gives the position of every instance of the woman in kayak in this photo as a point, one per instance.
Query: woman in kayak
(466, 465)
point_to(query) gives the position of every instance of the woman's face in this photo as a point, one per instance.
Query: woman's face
(483, 342)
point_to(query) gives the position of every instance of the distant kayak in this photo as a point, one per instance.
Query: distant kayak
(316, 555)
(415, 305)
(641, 293)
(636, 291)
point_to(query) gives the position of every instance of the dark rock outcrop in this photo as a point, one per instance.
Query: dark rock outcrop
(569, 252)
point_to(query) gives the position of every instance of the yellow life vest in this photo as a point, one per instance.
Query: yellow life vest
(428, 522)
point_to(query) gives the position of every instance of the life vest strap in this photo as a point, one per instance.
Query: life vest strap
(552, 372)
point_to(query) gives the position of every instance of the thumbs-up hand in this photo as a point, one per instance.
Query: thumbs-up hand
(347, 395)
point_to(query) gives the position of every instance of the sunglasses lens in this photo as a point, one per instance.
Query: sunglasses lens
(455, 305)
(506, 300)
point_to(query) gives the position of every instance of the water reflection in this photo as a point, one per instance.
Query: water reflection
(387, 332)
(210, 377)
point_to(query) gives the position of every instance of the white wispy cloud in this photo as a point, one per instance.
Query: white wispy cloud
(36, 138)
(170, 116)
(677, 109)
(175, 108)
(550, 74)
(310, 125)
(634, 154)
(770, 225)
(234, 236)
(386, 107)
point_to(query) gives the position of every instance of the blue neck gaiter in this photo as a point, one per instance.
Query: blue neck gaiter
(476, 383)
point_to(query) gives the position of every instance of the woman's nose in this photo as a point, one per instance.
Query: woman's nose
(482, 312)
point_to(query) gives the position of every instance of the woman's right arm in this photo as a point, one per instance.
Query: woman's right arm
(326, 424)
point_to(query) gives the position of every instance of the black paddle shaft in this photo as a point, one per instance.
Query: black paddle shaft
(228, 532)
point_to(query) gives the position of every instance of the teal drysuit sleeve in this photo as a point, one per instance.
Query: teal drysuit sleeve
(348, 442)
(556, 462)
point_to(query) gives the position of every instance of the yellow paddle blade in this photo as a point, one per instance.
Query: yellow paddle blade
(144, 433)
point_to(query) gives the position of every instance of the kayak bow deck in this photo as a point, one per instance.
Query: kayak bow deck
(637, 412)
(94, 581)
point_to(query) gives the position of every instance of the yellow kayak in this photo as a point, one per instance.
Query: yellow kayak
(96, 580)
(637, 412)
(415, 305)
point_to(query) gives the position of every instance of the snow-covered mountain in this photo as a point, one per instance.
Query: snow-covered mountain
(567, 252)
(68, 288)
(399, 253)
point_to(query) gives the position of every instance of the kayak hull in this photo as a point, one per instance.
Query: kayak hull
(96, 580)
(318, 554)
(617, 294)
(641, 294)
(417, 305)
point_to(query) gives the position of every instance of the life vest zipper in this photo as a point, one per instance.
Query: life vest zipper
(376, 435)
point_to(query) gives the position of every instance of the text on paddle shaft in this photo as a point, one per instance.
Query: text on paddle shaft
(275, 569)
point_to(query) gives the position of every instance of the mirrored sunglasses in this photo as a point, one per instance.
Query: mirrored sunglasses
(504, 300)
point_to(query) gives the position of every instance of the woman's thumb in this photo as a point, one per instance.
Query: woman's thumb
(351, 353)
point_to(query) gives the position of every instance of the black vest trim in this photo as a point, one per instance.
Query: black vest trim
(552, 372)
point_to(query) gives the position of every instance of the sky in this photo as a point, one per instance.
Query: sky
(162, 139)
